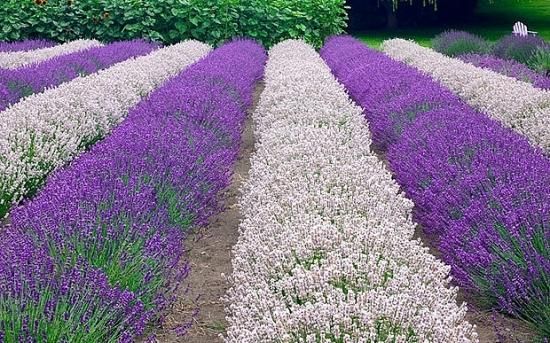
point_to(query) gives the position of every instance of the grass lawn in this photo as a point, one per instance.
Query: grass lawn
(493, 20)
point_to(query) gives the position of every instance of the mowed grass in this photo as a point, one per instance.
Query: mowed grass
(492, 21)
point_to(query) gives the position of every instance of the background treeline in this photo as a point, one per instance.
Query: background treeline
(376, 14)
(169, 21)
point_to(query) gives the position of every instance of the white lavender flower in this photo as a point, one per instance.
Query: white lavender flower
(46, 130)
(326, 247)
(12, 60)
(515, 103)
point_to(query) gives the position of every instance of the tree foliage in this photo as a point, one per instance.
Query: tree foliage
(169, 21)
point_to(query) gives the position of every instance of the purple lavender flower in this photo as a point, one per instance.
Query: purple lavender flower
(453, 43)
(509, 68)
(393, 96)
(116, 217)
(24, 81)
(40, 299)
(25, 45)
(518, 48)
(486, 193)
(480, 188)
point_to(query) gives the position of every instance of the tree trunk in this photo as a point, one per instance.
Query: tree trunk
(391, 16)
(392, 20)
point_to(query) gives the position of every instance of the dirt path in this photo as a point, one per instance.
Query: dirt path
(198, 314)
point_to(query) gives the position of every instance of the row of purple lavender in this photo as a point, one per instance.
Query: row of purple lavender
(26, 45)
(510, 68)
(514, 56)
(481, 189)
(96, 254)
(21, 82)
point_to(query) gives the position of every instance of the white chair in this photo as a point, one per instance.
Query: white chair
(520, 29)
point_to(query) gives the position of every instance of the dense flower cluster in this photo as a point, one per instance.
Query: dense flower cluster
(325, 252)
(26, 45)
(518, 48)
(485, 192)
(118, 214)
(454, 43)
(479, 187)
(407, 93)
(46, 130)
(516, 104)
(12, 60)
(510, 68)
(25, 81)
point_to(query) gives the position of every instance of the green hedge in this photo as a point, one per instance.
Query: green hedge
(170, 21)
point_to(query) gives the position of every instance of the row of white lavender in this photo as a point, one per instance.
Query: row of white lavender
(12, 60)
(44, 131)
(516, 104)
(326, 250)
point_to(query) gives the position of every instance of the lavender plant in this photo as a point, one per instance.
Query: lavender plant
(42, 302)
(540, 61)
(44, 131)
(454, 43)
(403, 100)
(122, 208)
(25, 45)
(517, 105)
(480, 188)
(518, 48)
(28, 80)
(485, 192)
(17, 59)
(509, 68)
(326, 250)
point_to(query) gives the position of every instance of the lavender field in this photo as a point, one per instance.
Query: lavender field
(238, 193)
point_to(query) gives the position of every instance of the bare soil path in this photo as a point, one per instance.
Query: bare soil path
(198, 314)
